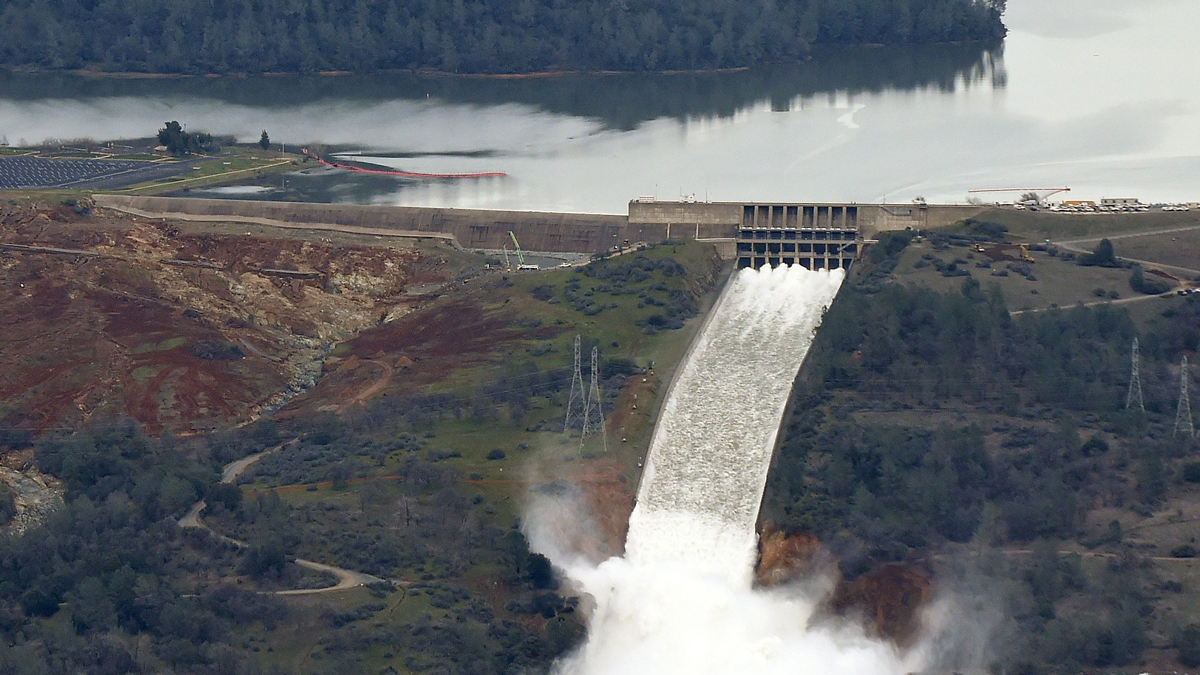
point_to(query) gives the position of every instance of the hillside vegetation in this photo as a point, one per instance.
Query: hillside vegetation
(422, 485)
(479, 36)
(934, 429)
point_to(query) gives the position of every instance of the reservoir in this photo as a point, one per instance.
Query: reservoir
(1101, 96)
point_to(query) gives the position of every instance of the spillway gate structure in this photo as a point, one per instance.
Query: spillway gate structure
(814, 236)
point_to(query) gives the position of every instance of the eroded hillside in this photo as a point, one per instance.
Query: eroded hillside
(180, 326)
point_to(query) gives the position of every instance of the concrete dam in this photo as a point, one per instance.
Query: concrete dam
(813, 235)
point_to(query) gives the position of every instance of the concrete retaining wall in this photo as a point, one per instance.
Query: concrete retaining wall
(565, 232)
(875, 218)
(720, 220)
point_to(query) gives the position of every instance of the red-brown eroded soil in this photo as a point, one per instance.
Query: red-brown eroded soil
(120, 328)
(456, 332)
(889, 599)
(782, 557)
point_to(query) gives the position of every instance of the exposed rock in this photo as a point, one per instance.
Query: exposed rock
(784, 557)
(890, 599)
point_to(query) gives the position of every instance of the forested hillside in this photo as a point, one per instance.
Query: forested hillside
(936, 430)
(478, 36)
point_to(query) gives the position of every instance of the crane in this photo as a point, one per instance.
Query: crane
(507, 264)
(520, 255)
(522, 266)
(1049, 191)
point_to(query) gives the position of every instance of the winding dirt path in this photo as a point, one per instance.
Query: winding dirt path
(346, 579)
(1077, 246)
(384, 379)
(1094, 303)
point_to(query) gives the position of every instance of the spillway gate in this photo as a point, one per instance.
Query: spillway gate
(815, 236)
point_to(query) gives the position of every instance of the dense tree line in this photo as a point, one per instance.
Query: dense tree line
(620, 101)
(927, 422)
(194, 36)
(76, 592)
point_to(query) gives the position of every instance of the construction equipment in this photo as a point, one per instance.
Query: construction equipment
(1005, 252)
(520, 255)
(507, 264)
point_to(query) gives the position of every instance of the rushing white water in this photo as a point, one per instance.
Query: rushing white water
(680, 602)
(704, 477)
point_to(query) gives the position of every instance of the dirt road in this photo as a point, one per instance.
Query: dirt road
(269, 222)
(385, 377)
(1093, 303)
(346, 578)
(1077, 245)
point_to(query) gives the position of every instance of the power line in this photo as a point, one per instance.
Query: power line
(576, 399)
(1183, 414)
(591, 405)
(1135, 382)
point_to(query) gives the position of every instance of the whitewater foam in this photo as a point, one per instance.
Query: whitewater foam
(680, 602)
(708, 460)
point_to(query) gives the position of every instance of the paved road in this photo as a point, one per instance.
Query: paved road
(346, 578)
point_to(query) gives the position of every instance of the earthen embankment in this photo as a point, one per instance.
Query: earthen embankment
(581, 233)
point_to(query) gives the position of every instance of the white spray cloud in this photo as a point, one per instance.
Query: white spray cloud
(681, 602)
(673, 618)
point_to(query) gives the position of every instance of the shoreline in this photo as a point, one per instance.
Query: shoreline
(433, 73)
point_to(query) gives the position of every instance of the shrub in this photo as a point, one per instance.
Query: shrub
(1185, 551)
(985, 229)
(1191, 472)
(215, 350)
(890, 245)
(1094, 447)
(613, 367)
(1139, 283)
(496, 453)
(1102, 256)
(1187, 641)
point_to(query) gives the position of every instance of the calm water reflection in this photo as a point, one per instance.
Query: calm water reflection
(1101, 96)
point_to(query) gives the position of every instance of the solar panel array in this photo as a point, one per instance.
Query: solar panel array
(34, 172)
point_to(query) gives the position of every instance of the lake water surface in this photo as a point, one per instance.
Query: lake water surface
(1102, 96)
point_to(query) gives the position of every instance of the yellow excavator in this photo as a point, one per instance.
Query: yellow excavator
(1018, 251)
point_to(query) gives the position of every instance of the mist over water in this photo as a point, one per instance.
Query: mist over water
(681, 601)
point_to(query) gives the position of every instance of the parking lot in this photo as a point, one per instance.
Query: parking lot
(25, 172)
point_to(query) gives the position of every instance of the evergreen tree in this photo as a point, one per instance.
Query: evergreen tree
(196, 36)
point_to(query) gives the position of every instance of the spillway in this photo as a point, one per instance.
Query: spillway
(703, 481)
(680, 601)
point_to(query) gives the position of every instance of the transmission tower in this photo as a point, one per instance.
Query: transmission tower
(1183, 414)
(593, 416)
(1134, 397)
(575, 402)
